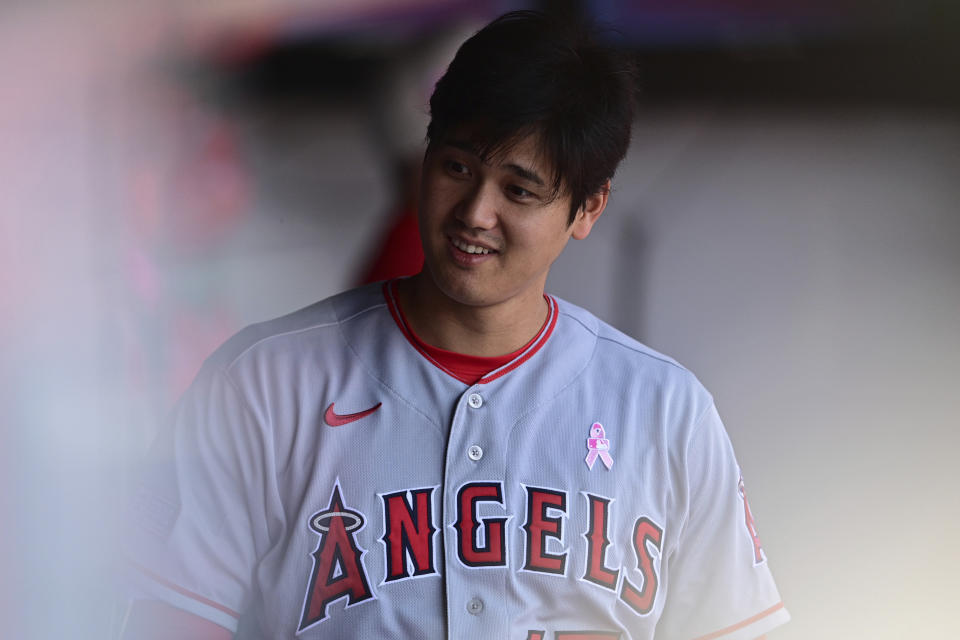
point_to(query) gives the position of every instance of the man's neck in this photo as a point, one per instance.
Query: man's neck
(488, 331)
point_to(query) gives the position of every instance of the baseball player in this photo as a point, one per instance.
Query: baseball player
(457, 454)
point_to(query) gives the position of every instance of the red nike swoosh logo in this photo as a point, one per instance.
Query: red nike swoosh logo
(336, 420)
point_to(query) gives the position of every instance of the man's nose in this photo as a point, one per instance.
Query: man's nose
(479, 208)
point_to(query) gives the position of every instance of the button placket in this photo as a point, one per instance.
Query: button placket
(474, 434)
(475, 451)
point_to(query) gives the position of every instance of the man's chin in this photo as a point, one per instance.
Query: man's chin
(461, 287)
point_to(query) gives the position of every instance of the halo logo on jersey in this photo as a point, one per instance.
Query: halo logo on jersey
(337, 567)
(599, 446)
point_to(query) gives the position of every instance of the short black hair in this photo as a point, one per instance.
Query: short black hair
(529, 72)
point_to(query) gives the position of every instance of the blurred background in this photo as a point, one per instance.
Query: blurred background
(786, 225)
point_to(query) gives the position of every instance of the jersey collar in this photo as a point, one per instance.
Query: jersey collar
(447, 361)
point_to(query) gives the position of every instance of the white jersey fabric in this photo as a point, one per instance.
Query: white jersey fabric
(326, 479)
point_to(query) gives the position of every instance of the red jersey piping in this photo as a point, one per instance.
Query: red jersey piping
(186, 592)
(742, 624)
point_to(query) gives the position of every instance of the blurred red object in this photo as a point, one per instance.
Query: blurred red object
(399, 252)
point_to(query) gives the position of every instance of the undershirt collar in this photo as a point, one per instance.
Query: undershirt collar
(466, 368)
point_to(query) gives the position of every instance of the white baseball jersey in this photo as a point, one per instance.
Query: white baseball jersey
(327, 479)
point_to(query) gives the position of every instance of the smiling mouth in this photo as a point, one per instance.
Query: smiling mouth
(470, 248)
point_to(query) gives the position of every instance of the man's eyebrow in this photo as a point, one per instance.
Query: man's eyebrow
(526, 174)
(463, 145)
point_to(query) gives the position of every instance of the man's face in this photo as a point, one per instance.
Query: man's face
(491, 229)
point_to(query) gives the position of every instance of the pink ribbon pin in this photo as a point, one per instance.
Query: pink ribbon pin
(599, 446)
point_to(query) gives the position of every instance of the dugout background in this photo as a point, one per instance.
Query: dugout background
(786, 225)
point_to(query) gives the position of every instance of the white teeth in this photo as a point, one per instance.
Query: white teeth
(469, 248)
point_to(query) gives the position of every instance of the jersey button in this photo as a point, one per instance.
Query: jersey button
(475, 400)
(475, 606)
(475, 452)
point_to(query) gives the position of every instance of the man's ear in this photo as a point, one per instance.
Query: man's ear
(590, 211)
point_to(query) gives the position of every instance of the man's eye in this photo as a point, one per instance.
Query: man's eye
(457, 168)
(520, 193)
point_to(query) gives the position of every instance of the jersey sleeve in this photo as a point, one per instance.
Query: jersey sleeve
(718, 583)
(202, 512)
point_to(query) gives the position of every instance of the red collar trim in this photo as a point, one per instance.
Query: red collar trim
(470, 369)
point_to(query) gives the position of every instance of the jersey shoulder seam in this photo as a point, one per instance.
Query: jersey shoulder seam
(694, 433)
(280, 334)
(243, 398)
(312, 327)
(623, 340)
(644, 352)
